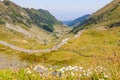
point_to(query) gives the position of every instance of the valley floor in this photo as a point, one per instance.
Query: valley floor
(96, 51)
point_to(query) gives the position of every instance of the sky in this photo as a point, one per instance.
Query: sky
(65, 9)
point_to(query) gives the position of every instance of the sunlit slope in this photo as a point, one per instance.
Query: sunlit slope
(13, 13)
(93, 41)
(32, 38)
(22, 40)
(29, 28)
(108, 17)
(93, 48)
(91, 45)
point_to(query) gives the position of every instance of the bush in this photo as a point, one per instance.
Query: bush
(1, 21)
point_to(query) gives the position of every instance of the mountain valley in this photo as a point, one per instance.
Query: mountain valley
(34, 45)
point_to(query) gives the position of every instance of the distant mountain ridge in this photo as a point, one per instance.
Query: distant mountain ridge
(76, 21)
(67, 22)
(108, 16)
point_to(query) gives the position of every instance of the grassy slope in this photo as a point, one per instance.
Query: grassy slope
(20, 40)
(93, 48)
(105, 17)
(31, 20)
(92, 43)
(13, 13)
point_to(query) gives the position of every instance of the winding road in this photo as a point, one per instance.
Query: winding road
(38, 51)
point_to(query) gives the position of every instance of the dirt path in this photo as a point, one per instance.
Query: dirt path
(37, 51)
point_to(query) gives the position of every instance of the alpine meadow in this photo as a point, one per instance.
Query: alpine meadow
(35, 44)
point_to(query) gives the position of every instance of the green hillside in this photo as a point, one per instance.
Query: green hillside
(10, 12)
(25, 28)
(108, 17)
(91, 54)
(93, 48)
